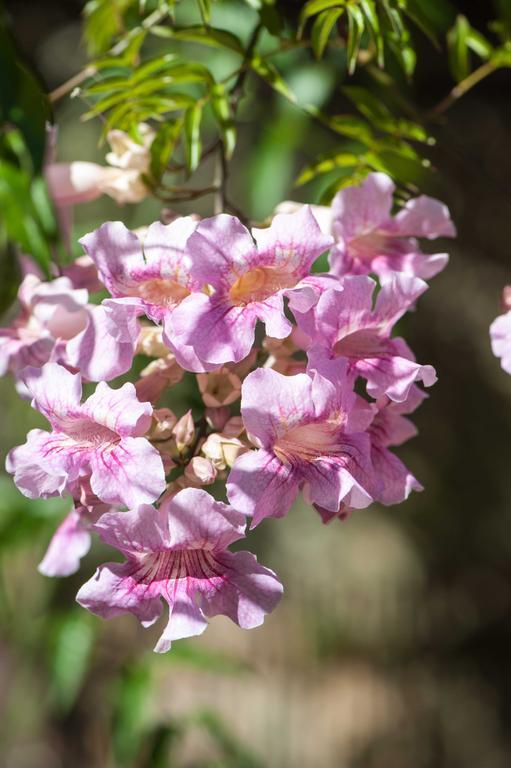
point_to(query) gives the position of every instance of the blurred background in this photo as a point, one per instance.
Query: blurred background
(390, 648)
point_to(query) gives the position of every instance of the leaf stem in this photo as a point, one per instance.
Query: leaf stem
(463, 86)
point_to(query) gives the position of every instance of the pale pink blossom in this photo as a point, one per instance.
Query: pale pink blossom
(344, 324)
(102, 439)
(179, 552)
(246, 283)
(311, 434)
(148, 277)
(51, 313)
(369, 239)
(122, 179)
(500, 335)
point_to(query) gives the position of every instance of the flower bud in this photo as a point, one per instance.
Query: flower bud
(234, 427)
(222, 450)
(184, 432)
(217, 417)
(219, 388)
(200, 471)
(164, 421)
(150, 342)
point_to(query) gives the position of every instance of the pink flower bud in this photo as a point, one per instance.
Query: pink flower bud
(217, 417)
(184, 432)
(200, 471)
(164, 421)
(219, 388)
(222, 450)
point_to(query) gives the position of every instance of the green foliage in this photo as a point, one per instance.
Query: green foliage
(26, 215)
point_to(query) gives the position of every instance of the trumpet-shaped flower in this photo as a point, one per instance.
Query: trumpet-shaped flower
(101, 439)
(179, 553)
(369, 239)
(247, 283)
(145, 277)
(344, 324)
(310, 431)
(51, 314)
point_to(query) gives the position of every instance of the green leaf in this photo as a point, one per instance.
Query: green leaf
(322, 28)
(479, 44)
(217, 38)
(193, 147)
(326, 164)
(367, 103)
(355, 31)
(316, 6)
(20, 216)
(205, 10)
(458, 49)
(369, 10)
(272, 76)
(163, 147)
(223, 114)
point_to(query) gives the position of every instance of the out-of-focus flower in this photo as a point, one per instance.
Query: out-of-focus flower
(79, 182)
(179, 553)
(102, 439)
(51, 313)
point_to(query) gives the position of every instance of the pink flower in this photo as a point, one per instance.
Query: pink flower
(179, 553)
(310, 434)
(500, 334)
(149, 277)
(344, 324)
(51, 314)
(72, 539)
(80, 182)
(389, 427)
(247, 283)
(369, 239)
(103, 439)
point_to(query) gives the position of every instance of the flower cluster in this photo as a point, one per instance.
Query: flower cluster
(304, 388)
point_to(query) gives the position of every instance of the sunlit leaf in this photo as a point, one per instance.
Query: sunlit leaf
(272, 76)
(193, 146)
(322, 28)
(355, 31)
(458, 49)
(223, 114)
(217, 38)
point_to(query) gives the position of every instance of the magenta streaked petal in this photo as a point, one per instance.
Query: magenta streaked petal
(260, 485)
(129, 472)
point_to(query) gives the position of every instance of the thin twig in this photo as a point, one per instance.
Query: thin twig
(462, 87)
